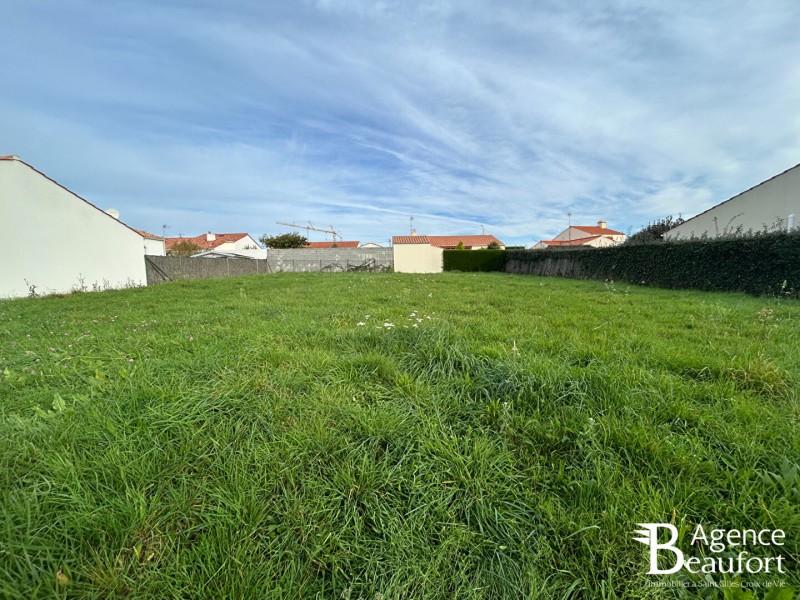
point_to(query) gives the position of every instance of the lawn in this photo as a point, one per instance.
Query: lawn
(388, 436)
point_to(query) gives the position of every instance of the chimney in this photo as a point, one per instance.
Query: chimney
(414, 232)
(601, 224)
(210, 237)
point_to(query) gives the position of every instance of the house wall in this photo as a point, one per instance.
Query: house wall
(599, 242)
(58, 242)
(417, 258)
(241, 244)
(573, 233)
(605, 242)
(154, 247)
(757, 208)
(254, 253)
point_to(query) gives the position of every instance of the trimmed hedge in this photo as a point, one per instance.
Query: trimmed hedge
(768, 264)
(474, 260)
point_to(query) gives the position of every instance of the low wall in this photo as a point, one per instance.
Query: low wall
(305, 260)
(308, 260)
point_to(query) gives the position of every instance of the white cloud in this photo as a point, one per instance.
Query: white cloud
(360, 114)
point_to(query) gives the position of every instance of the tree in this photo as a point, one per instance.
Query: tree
(493, 246)
(460, 245)
(184, 248)
(284, 240)
(654, 231)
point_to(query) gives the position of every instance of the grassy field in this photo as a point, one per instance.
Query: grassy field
(387, 436)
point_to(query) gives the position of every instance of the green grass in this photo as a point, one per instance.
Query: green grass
(247, 438)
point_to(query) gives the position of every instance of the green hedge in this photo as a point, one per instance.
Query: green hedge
(474, 260)
(768, 264)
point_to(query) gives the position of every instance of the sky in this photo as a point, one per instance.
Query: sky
(190, 116)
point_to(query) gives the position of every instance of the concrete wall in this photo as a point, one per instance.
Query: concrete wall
(170, 268)
(57, 241)
(759, 207)
(417, 258)
(330, 259)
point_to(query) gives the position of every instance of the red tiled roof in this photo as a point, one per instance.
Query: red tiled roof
(451, 241)
(595, 230)
(330, 244)
(410, 239)
(578, 242)
(447, 241)
(202, 241)
(9, 157)
(144, 234)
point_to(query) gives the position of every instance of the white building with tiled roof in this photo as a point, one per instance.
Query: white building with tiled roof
(224, 242)
(154, 245)
(425, 253)
(593, 236)
(54, 241)
(451, 242)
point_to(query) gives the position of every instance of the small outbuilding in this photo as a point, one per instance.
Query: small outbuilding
(425, 253)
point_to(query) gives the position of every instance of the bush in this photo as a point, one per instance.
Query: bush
(654, 232)
(474, 260)
(184, 248)
(284, 240)
(768, 264)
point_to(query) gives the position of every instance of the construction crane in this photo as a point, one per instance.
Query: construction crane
(310, 227)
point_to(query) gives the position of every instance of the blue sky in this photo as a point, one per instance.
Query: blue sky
(231, 116)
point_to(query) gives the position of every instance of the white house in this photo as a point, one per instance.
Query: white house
(154, 245)
(425, 253)
(599, 236)
(772, 205)
(55, 241)
(415, 254)
(223, 242)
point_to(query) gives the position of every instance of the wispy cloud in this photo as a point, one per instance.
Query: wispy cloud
(360, 114)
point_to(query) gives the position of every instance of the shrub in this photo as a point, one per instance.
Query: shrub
(654, 231)
(184, 248)
(768, 264)
(284, 240)
(474, 260)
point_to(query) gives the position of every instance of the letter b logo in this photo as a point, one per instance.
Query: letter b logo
(651, 532)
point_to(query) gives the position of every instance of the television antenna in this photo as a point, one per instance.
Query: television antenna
(310, 227)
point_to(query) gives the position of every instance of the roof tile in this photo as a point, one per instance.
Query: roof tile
(595, 230)
(203, 242)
